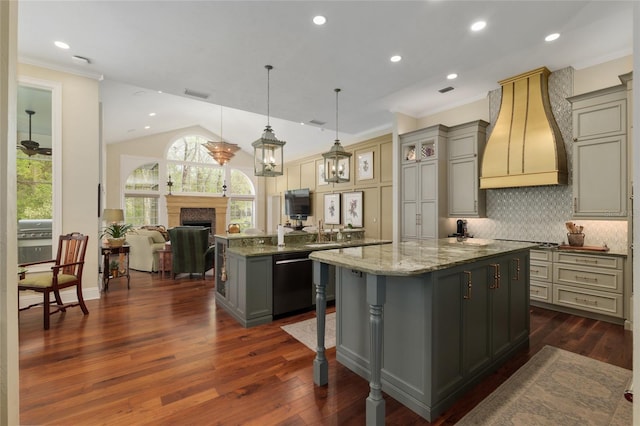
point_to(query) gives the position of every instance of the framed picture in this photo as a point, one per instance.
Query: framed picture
(321, 174)
(352, 208)
(332, 209)
(365, 165)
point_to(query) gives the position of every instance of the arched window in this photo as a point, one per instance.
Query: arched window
(141, 195)
(193, 170)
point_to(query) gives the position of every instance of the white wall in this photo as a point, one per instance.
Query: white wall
(79, 157)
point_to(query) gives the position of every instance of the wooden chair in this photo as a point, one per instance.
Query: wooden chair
(65, 272)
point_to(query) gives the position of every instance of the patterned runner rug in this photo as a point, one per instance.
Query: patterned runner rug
(305, 331)
(557, 387)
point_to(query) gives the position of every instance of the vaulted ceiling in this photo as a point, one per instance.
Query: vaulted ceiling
(219, 49)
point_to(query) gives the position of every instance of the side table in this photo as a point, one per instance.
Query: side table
(123, 270)
(164, 260)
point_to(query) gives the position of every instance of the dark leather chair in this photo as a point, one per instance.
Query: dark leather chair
(65, 272)
(190, 251)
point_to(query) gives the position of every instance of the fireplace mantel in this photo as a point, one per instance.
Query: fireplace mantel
(176, 202)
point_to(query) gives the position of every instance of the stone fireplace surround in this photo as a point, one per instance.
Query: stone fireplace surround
(199, 209)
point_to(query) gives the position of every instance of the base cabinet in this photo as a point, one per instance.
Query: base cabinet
(442, 330)
(587, 284)
(249, 290)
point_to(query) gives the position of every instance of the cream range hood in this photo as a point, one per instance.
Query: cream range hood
(525, 147)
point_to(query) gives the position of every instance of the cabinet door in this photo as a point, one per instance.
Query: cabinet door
(233, 280)
(258, 297)
(602, 119)
(409, 201)
(428, 219)
(498, 284)
(475, 323)
(599, 177)
(463, 187)
(518, 280)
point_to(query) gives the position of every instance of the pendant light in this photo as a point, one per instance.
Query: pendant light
(267, 151)
(336, 161)
(221, 151)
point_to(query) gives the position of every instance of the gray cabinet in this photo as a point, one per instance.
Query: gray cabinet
(589, 284)
(465, 143)
(249, 291)
(442, 330)
(423, 183)
(600, 154)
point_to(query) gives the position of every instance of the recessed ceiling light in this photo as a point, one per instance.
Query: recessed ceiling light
(147, 127)
(552, 37)
(452, 76)
(319, 20)
(477, 26)
(301, 123)
(395, 58)
(152, 114)
(61, 44)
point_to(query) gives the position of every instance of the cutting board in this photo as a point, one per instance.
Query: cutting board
(585, 248)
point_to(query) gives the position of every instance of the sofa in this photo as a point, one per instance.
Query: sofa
(143, 249)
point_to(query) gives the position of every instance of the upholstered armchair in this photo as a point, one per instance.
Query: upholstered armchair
(190, 251)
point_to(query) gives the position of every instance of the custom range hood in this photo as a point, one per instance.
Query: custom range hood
(525, 147)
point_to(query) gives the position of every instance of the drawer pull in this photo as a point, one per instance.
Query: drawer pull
(468, 295)
(594, 261)
(535, 291)
(534, 270)
(583, 278)
(496, 276)
(517, 277)
(587, 301)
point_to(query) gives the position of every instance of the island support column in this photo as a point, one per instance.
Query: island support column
(320, 365)
(376, 297)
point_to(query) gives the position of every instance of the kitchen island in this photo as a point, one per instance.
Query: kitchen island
(424, 321)
(257, 280)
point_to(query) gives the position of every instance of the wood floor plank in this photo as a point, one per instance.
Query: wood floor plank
(162, 353)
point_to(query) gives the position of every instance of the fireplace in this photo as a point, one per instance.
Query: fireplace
(201, 209)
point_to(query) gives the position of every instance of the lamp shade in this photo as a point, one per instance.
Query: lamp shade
(113, 215)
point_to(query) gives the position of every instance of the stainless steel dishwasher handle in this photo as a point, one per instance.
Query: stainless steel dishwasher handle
(282, 262)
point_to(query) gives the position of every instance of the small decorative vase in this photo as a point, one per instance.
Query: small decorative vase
(575, 240)
(114, 273)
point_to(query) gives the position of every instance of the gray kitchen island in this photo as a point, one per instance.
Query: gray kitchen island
(423, 321)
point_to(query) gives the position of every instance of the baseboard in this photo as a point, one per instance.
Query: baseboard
(68, 295)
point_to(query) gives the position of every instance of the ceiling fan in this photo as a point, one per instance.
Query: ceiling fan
(29, 146)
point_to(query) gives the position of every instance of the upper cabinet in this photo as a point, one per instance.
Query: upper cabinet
(600, 154)
(465, 144)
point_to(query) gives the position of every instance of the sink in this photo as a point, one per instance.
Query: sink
(323, 245)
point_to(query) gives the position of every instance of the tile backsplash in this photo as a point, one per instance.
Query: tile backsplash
(539, 213)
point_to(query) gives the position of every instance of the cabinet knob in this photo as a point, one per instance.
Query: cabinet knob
(575, 139)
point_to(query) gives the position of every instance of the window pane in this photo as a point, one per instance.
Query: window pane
(191, 178)
(240, 183)
(190, 149)
(141, 210)
(241, 212)
(34, 187)
(144, 178)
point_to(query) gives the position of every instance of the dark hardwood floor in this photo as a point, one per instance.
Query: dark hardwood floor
(161, 353)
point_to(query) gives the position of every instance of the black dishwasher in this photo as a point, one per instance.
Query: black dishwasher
(292, 283)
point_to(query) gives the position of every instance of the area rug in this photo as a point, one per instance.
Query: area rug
(556, 387)
(305, 331)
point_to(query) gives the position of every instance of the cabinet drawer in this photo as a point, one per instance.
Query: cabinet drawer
(541, 255)
(588, 300)
(586, 277)
(588, 260)
(541, 271)
(539, 290)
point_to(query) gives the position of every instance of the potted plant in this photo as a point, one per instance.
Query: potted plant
(116, 233)
(113, 267)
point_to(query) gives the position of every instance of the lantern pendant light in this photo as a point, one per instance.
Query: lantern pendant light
(268, 156)
(336, 161)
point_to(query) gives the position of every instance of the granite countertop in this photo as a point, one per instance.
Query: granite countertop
(267, 249)
(417, 257)
(582, 251)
